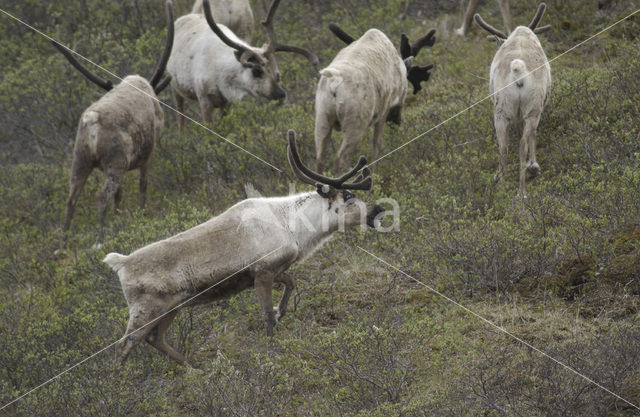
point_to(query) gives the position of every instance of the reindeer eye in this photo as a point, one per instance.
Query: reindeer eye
(257, 72)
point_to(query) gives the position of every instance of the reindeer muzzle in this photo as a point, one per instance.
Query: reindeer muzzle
(375, 216)
(278, 94)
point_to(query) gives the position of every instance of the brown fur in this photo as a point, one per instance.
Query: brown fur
(116, 134)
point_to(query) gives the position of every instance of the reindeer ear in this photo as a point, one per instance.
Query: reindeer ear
(326, 191)
(407, 63)
(248, 59)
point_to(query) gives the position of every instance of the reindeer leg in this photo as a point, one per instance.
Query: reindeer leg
(179, 100)
(117, 198)
(263, 287)
(134, 334)
(323, 129)
(289, 285)
(529, 134)
(351, 136)
(80, 171)
(144, 170)
(524, 150)
(157, 339)
(468, 17)
(206, 108)
(503, 142)
(113, 177)
(377, 137)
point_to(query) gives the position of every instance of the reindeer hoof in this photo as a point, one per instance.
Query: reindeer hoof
(532, 171)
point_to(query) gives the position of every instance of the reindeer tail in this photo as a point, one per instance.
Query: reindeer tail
(115, 261)
(518, 70)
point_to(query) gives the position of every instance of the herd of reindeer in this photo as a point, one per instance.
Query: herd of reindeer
(208, 59)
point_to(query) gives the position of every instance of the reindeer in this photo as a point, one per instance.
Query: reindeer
(234, 14)
(212, 65)
(118, 132)
(518, 93)
(471, 10)
(365, 85)
(251, 244)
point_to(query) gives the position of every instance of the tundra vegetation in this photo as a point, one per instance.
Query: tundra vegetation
(358, 339)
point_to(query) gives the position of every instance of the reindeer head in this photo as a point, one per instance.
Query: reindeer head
(344, 207)
(499, 36)
(261, 75)
(157, 81)
(415, 74)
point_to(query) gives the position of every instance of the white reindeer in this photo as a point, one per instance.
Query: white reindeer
(365, 85)
(520, 82)
(234, 14)
(251, 244)
(118, 132)
(212, 65)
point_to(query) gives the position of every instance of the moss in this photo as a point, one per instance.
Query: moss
(569, 278)
(623, 270)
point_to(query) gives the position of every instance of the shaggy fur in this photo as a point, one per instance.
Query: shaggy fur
(364, 83)
(162, 275)
(116, 134)
(524, 99)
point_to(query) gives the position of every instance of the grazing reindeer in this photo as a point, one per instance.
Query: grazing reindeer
(251, 244)
(212, 65)
(516, 93)
(364, 85)
(234, 14)
(471, 10)
(118, 132)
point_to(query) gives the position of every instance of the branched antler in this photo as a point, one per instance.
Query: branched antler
(484, 25)
(275, 46)
(495, 33)
(407, 50)
(362, 182)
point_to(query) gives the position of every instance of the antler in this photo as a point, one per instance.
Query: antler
(105, 84)
(341, 34)
(216, 29)
(162, 64)
(536, 19)
(275, 46)
(539, 13)
(417, 74)
(407, 50)
(484, 25)
(362, 182)
(164, 82)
